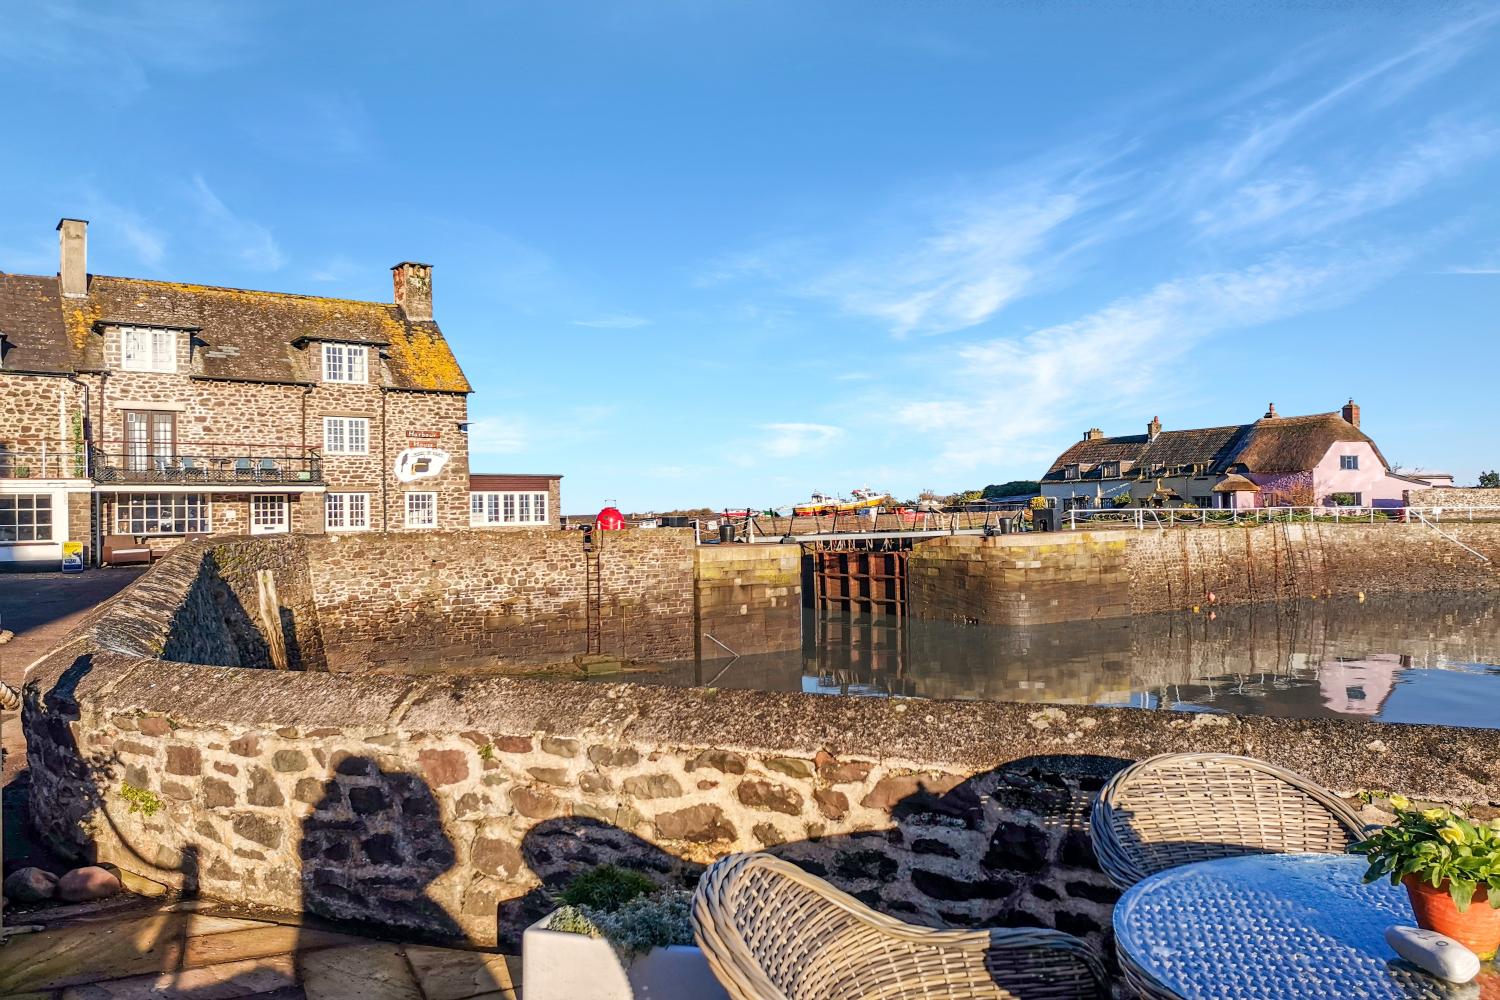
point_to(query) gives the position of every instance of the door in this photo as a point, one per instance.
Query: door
(150, 438)
(268, 514)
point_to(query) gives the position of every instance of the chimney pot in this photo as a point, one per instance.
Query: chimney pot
(73, 257)
(414, 290)
(1093, 434)
(1153, 428)
(1270, 411)
(1350, 412)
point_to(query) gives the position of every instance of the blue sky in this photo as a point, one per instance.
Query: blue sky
(728, 253)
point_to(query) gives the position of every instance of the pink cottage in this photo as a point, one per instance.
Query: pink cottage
(1322, 459)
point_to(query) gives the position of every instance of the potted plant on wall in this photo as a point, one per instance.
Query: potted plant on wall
(1450, 865)
(618, 937)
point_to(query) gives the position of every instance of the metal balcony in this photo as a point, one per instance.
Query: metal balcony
(245, 466)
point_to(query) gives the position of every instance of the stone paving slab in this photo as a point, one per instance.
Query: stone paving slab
(176, 953)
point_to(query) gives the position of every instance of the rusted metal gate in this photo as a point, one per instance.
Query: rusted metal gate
(854, 579)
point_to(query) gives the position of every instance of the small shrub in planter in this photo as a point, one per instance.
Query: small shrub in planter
(1450, 865)
(618, 937)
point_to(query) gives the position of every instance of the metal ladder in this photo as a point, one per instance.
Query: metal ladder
(593, 599)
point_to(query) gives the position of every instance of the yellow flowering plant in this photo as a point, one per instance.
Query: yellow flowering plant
(1436, 845)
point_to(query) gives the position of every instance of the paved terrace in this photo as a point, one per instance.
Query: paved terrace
(131, 949)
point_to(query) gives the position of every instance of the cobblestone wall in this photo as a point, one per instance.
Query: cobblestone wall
(1454, 496)
(1038, 579)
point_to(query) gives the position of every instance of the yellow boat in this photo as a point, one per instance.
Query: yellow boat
(822, 503)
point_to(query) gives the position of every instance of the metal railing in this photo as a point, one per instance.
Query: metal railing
(43, 459)
(223, 466)
(1164, 517)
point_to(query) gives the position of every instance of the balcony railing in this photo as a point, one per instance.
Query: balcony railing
(43, 459)
(209, 466)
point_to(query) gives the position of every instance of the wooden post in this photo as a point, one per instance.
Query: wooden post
(270, 617)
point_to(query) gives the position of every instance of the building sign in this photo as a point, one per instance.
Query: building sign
(419, 463)
(422, 437)
(72, 557)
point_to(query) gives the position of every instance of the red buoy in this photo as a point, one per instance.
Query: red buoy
(610, 519)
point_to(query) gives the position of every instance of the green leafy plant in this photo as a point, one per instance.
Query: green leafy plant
(487, 752)
(646, 922)
(142, 800)
(607, 888)
(1436, 845)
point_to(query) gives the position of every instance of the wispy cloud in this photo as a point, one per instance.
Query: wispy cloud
(497, 436)
(114, 51)
(1493, 269)
(1114, 353)
(249, 241)
(621, 321)
(145, 241)
(791, 440)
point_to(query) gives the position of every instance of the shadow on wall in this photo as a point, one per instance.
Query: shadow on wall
(1007, 847)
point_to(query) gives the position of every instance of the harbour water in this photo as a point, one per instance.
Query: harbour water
(1417, 658)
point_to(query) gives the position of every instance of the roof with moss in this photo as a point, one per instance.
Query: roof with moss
(237, 334)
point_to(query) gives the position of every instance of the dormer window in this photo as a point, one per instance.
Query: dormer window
(146, 350)
(1109, 470)
(1072, 471)
(345, 363)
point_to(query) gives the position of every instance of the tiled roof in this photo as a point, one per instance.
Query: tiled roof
(1271, 444)
(239, 334)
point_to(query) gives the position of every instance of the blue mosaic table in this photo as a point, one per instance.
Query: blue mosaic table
(1274, 927)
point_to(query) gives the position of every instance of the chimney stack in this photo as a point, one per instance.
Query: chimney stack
(1093, 434)
(73, 257)
(1270, 412)
(1350, 412)
(414, 290)
(1153, 428)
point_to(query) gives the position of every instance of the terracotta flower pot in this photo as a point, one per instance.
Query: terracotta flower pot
(1477, 929)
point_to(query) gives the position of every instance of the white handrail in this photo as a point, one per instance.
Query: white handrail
(1455, 541)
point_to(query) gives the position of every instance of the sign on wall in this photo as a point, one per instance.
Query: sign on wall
(419, 463)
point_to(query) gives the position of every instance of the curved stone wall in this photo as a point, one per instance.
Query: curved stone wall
(450, 804)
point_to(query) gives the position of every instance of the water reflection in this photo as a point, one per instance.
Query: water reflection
(1412, 658)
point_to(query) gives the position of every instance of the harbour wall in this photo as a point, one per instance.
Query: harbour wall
(456, 806)
(1045, 578)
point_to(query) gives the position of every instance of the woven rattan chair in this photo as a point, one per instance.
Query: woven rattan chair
(1185, 807)
(773, 932)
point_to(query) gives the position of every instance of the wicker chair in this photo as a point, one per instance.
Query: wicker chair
(771, 931)
(1185, 807)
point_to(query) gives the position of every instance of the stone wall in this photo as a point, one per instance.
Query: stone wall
(454, 806)
(749, 598)
(511, 597)
(1036, 579)
(1454, 496)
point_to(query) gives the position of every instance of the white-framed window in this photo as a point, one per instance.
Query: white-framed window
(143, 350)
(345, 363)
(162, 514)
(346, 511)
(26, 517)
(346, 435)
(491, 507)
(421, 510)
(268, 514)
(1073, 471)
(1348, 461)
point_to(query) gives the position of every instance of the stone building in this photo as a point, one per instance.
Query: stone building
(138, 412)
(1314, 460)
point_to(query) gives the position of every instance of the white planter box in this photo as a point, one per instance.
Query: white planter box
(556, 965)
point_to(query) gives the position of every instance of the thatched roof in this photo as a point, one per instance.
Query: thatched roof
(1270, 444)
(1236, 484)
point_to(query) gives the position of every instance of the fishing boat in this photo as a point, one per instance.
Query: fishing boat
(822, 503)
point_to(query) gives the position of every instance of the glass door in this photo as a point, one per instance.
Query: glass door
(150, 438)
(268, 514)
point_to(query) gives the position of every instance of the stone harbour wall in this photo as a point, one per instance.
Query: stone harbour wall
(1037, 579)
(456, 806)
(523, 596)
